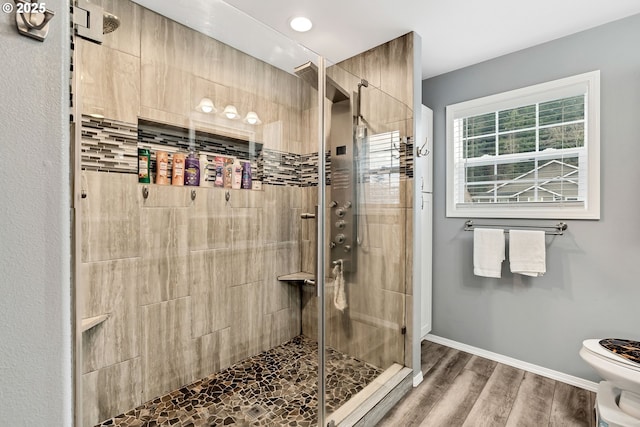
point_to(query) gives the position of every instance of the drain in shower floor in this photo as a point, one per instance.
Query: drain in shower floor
(255, 411)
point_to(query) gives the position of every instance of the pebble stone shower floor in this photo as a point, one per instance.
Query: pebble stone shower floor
(275, 388)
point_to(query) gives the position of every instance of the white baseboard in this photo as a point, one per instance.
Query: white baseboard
(545, 372)
(417, 379)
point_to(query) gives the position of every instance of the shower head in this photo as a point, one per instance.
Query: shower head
(110, 23)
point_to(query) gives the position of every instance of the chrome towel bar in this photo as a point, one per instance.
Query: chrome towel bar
(555, 230)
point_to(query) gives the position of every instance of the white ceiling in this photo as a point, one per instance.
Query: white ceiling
(455, 33)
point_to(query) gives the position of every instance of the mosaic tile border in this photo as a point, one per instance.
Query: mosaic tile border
(111, 146)
(274, 388)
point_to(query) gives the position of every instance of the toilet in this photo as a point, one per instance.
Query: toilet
(618, 363)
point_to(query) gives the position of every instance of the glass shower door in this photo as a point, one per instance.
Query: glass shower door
(367, 213)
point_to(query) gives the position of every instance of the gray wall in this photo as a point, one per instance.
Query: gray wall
(35, 314)
(592, 285)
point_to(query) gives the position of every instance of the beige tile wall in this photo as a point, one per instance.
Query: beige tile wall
(192, 291)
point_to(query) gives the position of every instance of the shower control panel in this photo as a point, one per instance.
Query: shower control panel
(342, 214)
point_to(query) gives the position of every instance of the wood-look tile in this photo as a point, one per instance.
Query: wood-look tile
(164, 270)
(397, 68)
(209, 291)
(571, 406)
(210, 220)
(481, 366)
(111, 391)
(494, 404)
(503, 396)
(457, 401)
(280, 259)
(247, 312)
(532, 406)
(414, 408)
(207, 351)
(110, 82)
(167, 348)
(127, 37)
(430, 354)
(164, 41)
(162, 88)
(111, 216)
(110, 287)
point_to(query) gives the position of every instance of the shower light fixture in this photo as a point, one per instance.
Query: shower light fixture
(252, 118)
(230, 112)
(206, 106)
(300, 24)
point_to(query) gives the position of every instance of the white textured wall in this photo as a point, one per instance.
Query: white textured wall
(35, 314)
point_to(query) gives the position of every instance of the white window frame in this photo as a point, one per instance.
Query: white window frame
(566, 87)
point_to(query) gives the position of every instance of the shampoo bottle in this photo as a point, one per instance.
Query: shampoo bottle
(246, 175)
(228, 172)
(192, 170)
(162, 167)
(204, 171)
(144, 165)
(219, 181)
(177, 177)
(236, 181)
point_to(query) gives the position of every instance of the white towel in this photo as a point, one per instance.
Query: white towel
(339, 296)
(527, 252)
(488, 252)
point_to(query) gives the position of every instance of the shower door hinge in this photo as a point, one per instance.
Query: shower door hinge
(331, 423)
(88, 20)
(404, 330)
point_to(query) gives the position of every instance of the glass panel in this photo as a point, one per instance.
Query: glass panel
(479, 125)
(366, 223)
(517, 142)
(564, 136)
(517, 118)
(478, 147)
(195, 265)
(562, 110)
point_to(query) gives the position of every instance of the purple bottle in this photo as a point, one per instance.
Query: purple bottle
(192, 170)
(246, 175)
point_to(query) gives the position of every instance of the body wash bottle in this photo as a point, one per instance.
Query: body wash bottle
(236, 182)
(192, 170)
(246, 175)
(177, 176)
(204, 171)
(144, 165)
(162, 167)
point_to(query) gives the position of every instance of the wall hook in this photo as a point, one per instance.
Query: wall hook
(193, 195)
(32, 19)
(145, 192)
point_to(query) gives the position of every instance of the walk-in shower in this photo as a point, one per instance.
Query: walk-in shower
(192, 305)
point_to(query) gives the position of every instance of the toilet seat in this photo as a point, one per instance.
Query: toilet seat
(593, 346)
(611, 367)
(628, 349)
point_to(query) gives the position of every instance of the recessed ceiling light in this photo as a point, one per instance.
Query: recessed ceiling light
(301, 24)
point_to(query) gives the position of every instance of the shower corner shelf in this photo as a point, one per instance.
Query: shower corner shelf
(93, 321)
(300, 277)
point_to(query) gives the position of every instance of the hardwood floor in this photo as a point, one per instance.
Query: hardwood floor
(460, 389)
